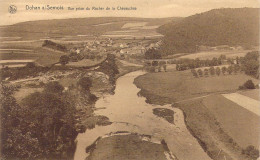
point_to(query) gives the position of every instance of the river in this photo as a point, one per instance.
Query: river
(129, 112)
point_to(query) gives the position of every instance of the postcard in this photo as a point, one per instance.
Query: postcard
(129, 80)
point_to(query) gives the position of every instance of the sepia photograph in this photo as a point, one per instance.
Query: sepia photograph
(129, 80)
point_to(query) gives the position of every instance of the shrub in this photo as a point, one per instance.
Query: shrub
(251, 151)
(230, 69)
(206, 72)
(200, 72)
(85, 83)
(236, 68)
(54, 87)
(218, 71)
(224, 69)
(248, 85)
(212, 71)
(64, 60)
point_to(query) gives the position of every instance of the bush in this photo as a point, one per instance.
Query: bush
(85, 83)
(230, 69)
(200, 72)
(251, 151)
(64, 60)
(224, 69)
(54, 87)
(212, 71)
(236, 68)
(206, 72)
(250, 64)
(218, 71)
(248, 85)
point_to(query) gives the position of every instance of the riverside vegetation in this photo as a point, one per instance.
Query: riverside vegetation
(45, 124)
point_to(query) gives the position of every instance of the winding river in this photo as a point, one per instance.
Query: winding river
(129, 112)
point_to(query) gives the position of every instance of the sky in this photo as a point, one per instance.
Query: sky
(144, 8)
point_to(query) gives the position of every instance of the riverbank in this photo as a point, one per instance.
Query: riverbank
(171, 87)
(129, 112)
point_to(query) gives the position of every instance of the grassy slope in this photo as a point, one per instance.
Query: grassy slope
(243, 126)
(251, 93)
(211, 54)
(43, 56)
(204, 124)
(177, 86)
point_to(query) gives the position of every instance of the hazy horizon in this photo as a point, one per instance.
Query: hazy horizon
(145, 8)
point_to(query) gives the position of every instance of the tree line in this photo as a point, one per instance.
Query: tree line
(186, 63)
(216, 71)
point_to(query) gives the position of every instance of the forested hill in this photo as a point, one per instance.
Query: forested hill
(225, 26)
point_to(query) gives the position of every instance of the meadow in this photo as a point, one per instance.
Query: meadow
(222, 127)
(211, 54)
(181, 85)
(242, 127)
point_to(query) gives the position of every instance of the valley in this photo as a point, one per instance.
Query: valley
(132, 88)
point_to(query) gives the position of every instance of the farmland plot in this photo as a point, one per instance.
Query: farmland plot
(244, 101)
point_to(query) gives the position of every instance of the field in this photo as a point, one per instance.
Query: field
(43, 29)
(251, 93)
(243, 127)
(222, 127)
(181, 85)
(29, 50)
(248, 103)
(204, 125)
(216, 54)
(137, 30)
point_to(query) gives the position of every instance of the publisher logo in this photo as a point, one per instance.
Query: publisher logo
(12, 9)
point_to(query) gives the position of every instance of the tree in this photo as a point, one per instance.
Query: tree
(54, 87)
(152, 53)
(200, 72)
(249, 84)
(251, 67)
(16, 143)
(224, 69)
(230, 69)
(85, 83)
(193, 70)
(64, 59)
(251, 151)
(236, 68)
(206, 72)
(214, 62)
(51, 120)
(212, 71)
(164, 67)
(194, 73)
(218, 71)
(223, 57)
(177, 67)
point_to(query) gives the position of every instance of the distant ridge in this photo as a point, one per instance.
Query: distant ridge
(74, 26)
(225, 26)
